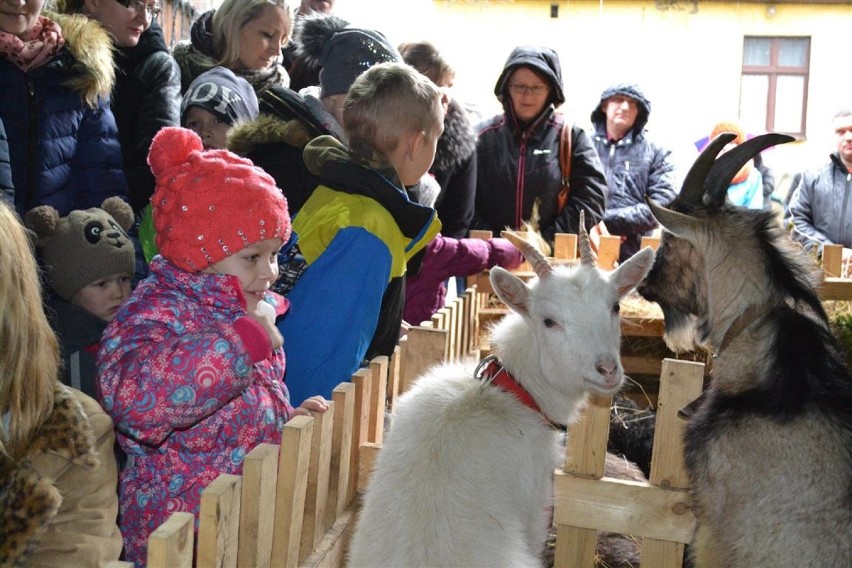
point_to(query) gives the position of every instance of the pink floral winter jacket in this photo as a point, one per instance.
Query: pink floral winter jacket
(192, 385)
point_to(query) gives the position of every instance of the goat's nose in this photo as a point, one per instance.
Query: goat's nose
(607, 367)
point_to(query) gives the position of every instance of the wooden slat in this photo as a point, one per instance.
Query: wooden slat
(608, 251)
(478, 234)
(369, 454)
(378, 398)
(219, 522)
(564, 246)
(835, 289)
(316, 494)
(171, 544)
(653, 242)
(681, 382)
(332, 550)
(117, 564)
(425, 347)
(257, 506)
(360, 424)
(395, 372)
(624, 507)
(832, 260)
(293, 461)
(341, 450)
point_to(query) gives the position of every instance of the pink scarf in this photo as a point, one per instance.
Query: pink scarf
(43, 41)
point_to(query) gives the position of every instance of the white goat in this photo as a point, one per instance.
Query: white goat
(465, 474)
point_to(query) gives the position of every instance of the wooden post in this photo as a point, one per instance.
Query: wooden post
(341, 450)
(650, 241)
(478, 234)
(316, 495)
(171, 544)
(609, 251)
(257, 507)
(378, 398)
(219, 522)
(425, 347)
(832, 260)
(395, 372)
(360, 425)
(565, 246)
(293, 461)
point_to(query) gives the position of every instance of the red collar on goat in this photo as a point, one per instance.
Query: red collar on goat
(490, 369)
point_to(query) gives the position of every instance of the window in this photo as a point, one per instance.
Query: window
(774, 88)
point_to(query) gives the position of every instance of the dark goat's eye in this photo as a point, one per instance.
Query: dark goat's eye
(549, 322)
(616, 308)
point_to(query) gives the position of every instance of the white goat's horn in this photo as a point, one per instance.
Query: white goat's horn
(587, 255)
(539, 263)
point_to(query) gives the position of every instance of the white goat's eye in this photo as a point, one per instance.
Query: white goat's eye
(616, 308)
(549, 322)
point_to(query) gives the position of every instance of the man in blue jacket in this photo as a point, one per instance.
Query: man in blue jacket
(634, 165)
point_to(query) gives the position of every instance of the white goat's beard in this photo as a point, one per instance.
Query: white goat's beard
(683, 337)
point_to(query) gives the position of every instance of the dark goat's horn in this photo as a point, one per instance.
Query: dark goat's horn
(728, 164)
(692, 191)
(539, 263)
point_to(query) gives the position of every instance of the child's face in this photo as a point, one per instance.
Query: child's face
(256, 266)
(212, 130)
(104, 297)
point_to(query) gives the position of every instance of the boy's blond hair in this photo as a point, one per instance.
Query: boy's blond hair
(386, 102)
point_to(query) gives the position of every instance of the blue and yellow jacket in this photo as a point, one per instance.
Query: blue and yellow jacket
(359, 234)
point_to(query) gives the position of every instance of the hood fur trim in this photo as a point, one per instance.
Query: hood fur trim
(458, 141)
(246, 137)
(90, 45)
(29, 502)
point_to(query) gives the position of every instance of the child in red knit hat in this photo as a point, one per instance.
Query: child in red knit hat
(191, 368)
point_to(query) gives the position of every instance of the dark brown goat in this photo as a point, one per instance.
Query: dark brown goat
(769, 448)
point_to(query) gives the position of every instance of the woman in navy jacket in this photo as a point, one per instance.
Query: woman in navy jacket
(55, 83)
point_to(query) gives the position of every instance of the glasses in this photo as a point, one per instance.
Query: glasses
(139, 6)
(535, 90)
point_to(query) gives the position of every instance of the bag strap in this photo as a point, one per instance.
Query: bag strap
(565, 152)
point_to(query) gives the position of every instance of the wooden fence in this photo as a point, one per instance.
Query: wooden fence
(296, 504)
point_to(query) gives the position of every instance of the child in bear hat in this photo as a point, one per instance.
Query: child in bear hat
(191, 369)
(89, 263)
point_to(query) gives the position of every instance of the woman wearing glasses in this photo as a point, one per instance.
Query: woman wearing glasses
(146, 96)
(245, 36)
(56, 75)
(518, 153)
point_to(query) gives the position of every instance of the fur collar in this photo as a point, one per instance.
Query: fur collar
(91, 47)
(244, 138)
(29, 502)
(458, 141)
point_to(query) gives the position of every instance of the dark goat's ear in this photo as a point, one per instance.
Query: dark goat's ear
(727, 165)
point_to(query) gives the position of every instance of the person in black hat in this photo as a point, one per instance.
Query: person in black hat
(518, 153)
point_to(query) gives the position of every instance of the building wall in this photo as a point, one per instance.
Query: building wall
(688, 63)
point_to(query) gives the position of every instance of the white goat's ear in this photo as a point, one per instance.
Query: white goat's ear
(628, 275)
(510, 289)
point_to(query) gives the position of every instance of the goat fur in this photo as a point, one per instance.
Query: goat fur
(465, 474)
(769, 448)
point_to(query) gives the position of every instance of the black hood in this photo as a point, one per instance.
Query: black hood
(643, 105)
(542, 59)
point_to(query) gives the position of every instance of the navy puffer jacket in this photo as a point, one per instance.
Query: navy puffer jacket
(7, 190)
(63, 141)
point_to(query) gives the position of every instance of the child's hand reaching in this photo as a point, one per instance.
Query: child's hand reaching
(264, 314)
(312, 404)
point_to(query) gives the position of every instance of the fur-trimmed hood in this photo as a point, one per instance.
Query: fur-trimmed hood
(29, 502)
(246, 137)
(91, 47)
(458, 141)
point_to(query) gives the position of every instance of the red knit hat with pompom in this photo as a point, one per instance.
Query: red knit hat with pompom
(208, 205)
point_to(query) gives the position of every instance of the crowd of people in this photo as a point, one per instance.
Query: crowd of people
(198, 243)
